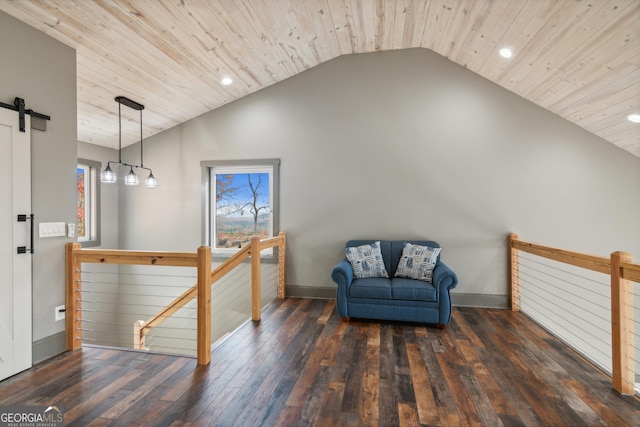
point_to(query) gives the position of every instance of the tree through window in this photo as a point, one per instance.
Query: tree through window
(88, 203)
(242, 202)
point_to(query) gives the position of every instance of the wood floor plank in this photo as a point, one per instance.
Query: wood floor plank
(100, 422)
(542, 398)
(307, 375)
(237, 376)
(447, 411)
(91, 399)
(467, 326)
(388, 396)
(147, 412)
(507, 378)
(461, 398)
(425, 402)
(331, 414)
(355, 371)
(326, 312)
(301, 365)
(333, 345)
(276, 403)
(210, 415)
(150, 383)
(255, 411)
(408, 415)
(499, 401)
(506, 374)
(370, 394)
(304, 355)
(313, 404)
(478, 396)
(21, 387)
(187, 381)
(609, 415)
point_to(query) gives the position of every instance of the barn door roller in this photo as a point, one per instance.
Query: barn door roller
(19, 106)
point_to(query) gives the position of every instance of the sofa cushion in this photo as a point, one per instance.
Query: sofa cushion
(417, 262)
(366, 260)
(412, 290)
(374, 287)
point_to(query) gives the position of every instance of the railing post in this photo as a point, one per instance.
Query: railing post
(255, 278)
(514, 274)
(139, 341)
(73, 314)
(282, 258)
(621, 326)
(204, 305)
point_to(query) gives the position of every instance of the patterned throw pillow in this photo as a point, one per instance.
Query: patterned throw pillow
(366, 261)
(417, 262)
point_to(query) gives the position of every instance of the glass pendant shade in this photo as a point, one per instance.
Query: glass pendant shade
(131, 178)
(108, 176)
(151, 181)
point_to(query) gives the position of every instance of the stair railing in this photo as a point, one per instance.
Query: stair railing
(75, 256)
(142, 328)
(623, 273)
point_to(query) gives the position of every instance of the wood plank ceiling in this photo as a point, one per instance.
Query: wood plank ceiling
(579, 59)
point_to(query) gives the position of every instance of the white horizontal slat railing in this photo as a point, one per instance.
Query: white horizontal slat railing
(587, 301)
(181, 308)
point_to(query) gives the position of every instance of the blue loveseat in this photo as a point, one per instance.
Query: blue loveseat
(394, 298)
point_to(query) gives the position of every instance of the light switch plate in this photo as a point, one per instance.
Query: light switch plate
(53, 229)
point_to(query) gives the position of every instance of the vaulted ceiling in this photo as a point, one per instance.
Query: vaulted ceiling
(579, 59)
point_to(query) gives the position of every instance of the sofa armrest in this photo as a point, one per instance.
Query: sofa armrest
(444, 279)
(342, 274)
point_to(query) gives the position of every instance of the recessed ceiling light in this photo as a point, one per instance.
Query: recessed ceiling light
(635, 118)
(226, 81)
(506, 52)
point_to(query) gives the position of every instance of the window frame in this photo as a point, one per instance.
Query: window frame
(211, 167)
(92, 203)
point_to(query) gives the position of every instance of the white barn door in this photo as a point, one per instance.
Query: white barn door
(15, 268)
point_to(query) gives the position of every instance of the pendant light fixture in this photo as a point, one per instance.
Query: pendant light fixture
(108, 175)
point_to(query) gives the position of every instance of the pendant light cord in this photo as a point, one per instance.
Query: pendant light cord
(119, 133)
(141, 162)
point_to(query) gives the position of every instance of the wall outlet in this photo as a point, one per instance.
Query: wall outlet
(71, 230)
(60, 312)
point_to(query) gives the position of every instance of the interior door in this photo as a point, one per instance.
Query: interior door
(15, 268)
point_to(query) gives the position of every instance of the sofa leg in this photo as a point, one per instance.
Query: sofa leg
(440, 326)
(345, 319)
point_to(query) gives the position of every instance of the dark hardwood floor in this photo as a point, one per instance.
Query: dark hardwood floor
(301, 365)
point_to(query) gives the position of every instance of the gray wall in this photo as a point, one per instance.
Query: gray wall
(393, 145)
(43, 72)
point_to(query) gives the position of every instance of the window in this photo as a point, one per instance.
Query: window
(88, 224)
(241, 201)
